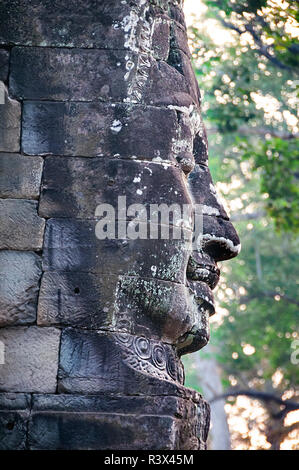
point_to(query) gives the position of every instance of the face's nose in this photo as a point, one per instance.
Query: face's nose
(217, 239)
(216, 235)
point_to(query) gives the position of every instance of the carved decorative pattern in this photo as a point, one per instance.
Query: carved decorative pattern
(143, 347)
(143, 64)
(171, 367)
(124, 338)
(150, 357)
(159, 357)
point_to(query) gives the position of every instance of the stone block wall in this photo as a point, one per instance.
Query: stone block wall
(88, 88)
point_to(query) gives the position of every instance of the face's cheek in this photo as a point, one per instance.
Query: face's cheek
(156, 301)
(155, 308)
(152, 298)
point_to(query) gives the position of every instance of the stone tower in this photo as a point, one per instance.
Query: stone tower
(99, 108)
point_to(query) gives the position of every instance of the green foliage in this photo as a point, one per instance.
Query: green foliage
(259, 289)
(263, 307)
(267, 21)
(239, 7)
(250, 106)
(279, 176)
(253, 99)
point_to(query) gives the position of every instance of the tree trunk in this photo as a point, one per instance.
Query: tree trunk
(209, 376)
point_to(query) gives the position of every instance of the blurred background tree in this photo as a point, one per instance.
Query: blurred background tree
(246, 57)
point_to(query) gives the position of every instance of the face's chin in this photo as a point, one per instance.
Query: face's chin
(172, 312)
(202, 277)
(193, 341)
(202, 300)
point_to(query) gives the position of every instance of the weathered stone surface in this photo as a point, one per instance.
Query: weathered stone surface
(205, 194)
(98, 431)
(31, 359)
(91, 129)
(167, 309)
(111, 80)
(166, 86)
(203, 424)
(4, 61)
(55, 23)
(97, 422)
(160, 37)
(176, 12)
(77, 299)
(106, 24)
(201, 267)
(179, 38)
(69, 74)
(13, 430)
(133, 304)
(15, 401)
(74, 187)
(20, 274)
(101, 363)
(14, 416)
(200, 148)
(179, 60)
(77, 422)
(93, 75)
(71, 245)
(149, 304)
(20, 226)
(20, 176)
(151, 405)
(10, 124)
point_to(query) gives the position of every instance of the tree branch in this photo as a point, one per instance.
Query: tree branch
(272, 294)
(288, 405)
(252, 216)
(292, 427)
(260, 131)
(262, 48)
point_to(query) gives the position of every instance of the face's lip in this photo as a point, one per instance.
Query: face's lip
(208, 273)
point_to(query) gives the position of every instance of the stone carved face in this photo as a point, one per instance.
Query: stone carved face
(136, 112)
(101, 104)
(157, 288)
